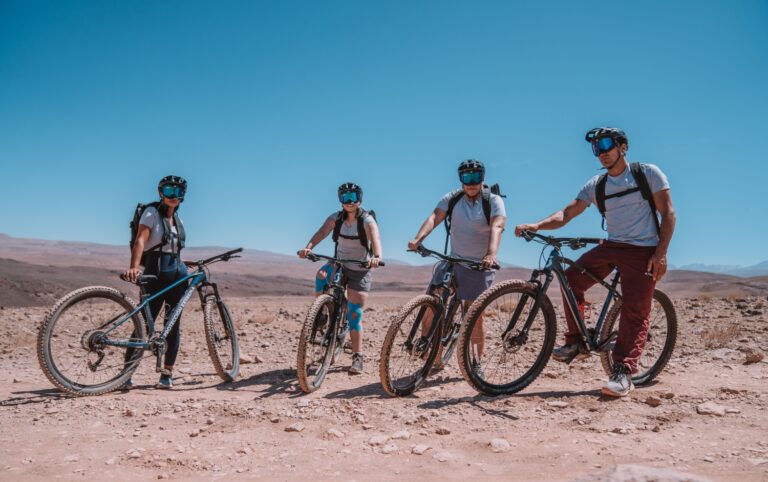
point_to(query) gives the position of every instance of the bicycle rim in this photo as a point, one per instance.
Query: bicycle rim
(221, 338)
(512, 359)
(70, 348)
(316, 344)
(406, 355)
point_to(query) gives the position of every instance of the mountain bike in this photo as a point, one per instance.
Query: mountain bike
(93, 338)
(520, 325)
(325, 328)
(411, 348)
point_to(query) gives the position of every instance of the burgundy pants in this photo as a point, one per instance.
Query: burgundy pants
(636, 289)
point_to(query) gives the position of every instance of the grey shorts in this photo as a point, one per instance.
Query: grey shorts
(469, 283)
(359, 280)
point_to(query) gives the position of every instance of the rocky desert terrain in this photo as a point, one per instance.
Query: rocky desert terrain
(705, 416)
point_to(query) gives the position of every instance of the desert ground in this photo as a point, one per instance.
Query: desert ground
(705, 415)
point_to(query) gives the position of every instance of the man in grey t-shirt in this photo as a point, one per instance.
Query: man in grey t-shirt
(637, 245)
(473, 236)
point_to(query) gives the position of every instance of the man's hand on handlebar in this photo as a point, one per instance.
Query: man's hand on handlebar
(414, 244)
(191, 264)
(304, 252)
(489, 262)
(525, 227)
(374, 262)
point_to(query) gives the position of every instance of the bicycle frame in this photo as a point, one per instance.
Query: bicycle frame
(554, 268)
(199, 281)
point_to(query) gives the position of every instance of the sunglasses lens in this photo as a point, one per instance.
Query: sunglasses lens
(171, 191)
(471, 177)
(348, 197)
(604, 144)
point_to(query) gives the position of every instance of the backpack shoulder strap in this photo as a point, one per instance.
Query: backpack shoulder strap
(337, 226)
(361, 234)
(454, 199)
(645, 189)
(181, 235)
(600, 193)
(487, 203)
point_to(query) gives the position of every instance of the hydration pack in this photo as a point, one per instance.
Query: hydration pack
(181, 235)
(642, 186)
(456, 197)
(361, 235)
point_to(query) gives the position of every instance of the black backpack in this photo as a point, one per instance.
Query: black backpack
(361, 235)
(181, 235)
(457, 195)
(642, 185)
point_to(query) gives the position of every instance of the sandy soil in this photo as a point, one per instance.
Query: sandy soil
(557, 429)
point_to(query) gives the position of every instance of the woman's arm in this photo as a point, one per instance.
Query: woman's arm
(372, 231)
(319, 235)
(134, 270)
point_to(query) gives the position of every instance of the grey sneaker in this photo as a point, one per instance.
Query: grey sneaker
(165, 382)
(566, 353)
(477, 369)
(357, 364)
(620, 382)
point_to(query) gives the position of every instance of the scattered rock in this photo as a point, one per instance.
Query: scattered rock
(557, 404)
(640, 473)
(295, 427)
(443, 456)
(653, 401)
(17, 380)
(133, 454)
(377, 440)
(401, 435)
(420, 449)
(753, 356)
(442, 431)
(389, 448)
(245, 360)
(210, 421)
(760, 461)
(499, 445)
(334, 433)
(710, 408)
(72, 458)
(667, 396)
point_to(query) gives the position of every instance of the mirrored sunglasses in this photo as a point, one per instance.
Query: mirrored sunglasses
(471, 177)
(604, 144)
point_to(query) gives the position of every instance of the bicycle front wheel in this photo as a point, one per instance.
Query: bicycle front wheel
(407, 355)
(221, 338)
(498, 356)
(316, 344)
(72, 344)
(659, 344)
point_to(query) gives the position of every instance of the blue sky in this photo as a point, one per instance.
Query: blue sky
(266, 107)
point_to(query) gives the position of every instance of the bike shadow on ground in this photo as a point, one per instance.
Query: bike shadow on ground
(35, 396)
(267, 384)
(476, 401)
(372, 390)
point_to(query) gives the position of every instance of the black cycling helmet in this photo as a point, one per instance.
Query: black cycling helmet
(471, 166)
(350, 187)
(613, 132)
(173, 181)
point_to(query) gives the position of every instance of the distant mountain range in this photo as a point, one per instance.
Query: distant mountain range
(760, 269)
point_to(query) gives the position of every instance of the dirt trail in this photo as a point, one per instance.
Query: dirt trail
(557, 429)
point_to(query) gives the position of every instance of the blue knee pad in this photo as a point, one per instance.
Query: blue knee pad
(322, 281)
(354, 316)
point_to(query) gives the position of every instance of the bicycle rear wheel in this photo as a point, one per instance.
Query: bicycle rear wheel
(659, 345)
(406, 356)
(511, 361)
(71, 344)
(221, 338)
(316, 344)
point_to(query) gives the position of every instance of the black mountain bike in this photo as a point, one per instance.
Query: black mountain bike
(408, 353)
(520, 325)
(325, 327)
(93, 338)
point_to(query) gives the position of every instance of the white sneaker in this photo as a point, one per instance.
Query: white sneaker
(620, 382)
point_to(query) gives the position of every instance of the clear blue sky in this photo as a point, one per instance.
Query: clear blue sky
(265, 107)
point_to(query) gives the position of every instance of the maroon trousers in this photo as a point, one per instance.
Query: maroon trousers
(636, 289)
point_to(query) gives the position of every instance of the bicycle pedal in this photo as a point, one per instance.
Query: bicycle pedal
(348, 348)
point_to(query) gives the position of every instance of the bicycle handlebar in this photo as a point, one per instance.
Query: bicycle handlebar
(469, 263)
(219, 257)
(573, 243)
(317, 257)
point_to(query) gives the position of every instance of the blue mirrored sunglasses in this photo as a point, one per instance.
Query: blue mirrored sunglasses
(604, 144)
(348, 197)
(471, 177)
(171, 191)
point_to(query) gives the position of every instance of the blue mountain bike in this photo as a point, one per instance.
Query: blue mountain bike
(93, 339)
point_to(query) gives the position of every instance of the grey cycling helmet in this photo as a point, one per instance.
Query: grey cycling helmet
(350, 187)
(613, 132)
(471, 172)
